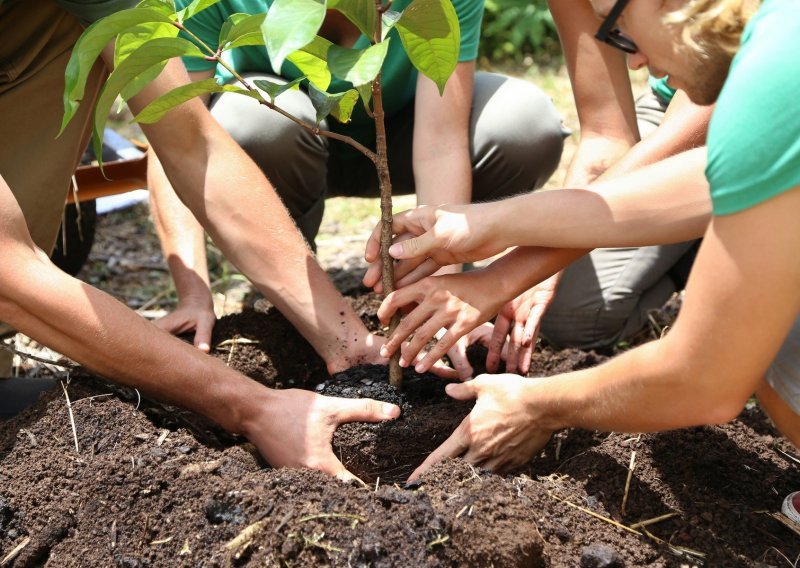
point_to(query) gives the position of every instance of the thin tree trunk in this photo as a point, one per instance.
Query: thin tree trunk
(385, 184)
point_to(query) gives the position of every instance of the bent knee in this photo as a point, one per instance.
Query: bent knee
(516, 130)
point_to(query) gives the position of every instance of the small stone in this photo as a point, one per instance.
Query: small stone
(598, 555)
(184, 449)
(562, 533)
(320, 387)
(592, 501)
(218, 512)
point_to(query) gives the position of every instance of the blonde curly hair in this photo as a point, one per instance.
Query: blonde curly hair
(717, 23)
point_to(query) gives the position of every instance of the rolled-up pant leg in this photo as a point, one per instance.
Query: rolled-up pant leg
(605, 297)
(293, 159)
(37, 39)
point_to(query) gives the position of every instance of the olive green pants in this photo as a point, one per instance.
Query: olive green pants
(37, 39)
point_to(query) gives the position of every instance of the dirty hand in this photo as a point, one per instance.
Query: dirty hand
(517, 327)
(369, 350)
(501, 432)
(296, 427)
(192, 313)
(457, 302)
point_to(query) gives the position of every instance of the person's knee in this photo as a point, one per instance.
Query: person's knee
(518, 133)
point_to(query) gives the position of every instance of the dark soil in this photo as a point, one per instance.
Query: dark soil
(152, 485)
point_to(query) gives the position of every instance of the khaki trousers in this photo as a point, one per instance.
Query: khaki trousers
(38, 37)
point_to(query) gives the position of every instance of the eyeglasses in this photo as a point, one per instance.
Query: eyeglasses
(611, 35)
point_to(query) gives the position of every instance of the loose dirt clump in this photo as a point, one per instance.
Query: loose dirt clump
(153, 485)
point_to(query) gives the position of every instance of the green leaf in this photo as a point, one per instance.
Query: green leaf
(241, 29)
(274, 89)
(290, 25)
(358, 66)
(338, 105)
(388, 21)
(88, 48)
(129, 41)
(431, 36)
(179, 95)
(165, 6)
(360, 12)
(149, 55)
(365, 91)
(312, 61)
(195, 8)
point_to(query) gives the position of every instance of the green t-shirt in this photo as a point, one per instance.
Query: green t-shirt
(754, 134)
(398, 79)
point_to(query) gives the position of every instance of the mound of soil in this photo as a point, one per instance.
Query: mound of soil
(153, 485)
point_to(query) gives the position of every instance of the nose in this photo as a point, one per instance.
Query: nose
(636, 60)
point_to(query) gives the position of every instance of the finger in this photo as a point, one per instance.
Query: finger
(408, 273)
(405, 328)
(499, 334)
(514, 346)
(459, 359)
(442, 371)
(534, 323)
(175, 323)
(524, 359)
(425, 332)
(414, 247)
(202, 336)
(372, 276)
(373, 246)
(462, 391)
(439, 350)
(397, 300)
(347, 477)
(363, 410)
(452, 447)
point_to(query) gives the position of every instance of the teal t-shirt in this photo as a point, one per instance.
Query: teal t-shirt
(661, 88)
(754, 134)
(399, 75)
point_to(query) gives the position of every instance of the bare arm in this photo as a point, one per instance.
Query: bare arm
(183, 244)
(290, 427)
(442, 169)
(702, 372)
(240, 210)
(661, 203)
(602, 92)
(683, 128)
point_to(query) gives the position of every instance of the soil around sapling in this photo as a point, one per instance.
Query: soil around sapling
(153, 485)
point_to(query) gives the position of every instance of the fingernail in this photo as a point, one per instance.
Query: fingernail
(391, 411)
(384, 352)
(403, 362)
(420, 368)
(204, 347)
(395, 250)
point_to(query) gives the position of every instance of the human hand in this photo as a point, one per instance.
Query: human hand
(435, 236)
(517, 327)
(192, 313)
(295, 428)
(457, 302)
(501, 432)
(367, 351)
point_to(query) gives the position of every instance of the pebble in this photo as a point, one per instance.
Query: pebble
(598, 555)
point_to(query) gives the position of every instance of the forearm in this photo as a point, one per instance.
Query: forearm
(181, 235)
(100, 333)
(244, 216)
(650, 388)
(524, 267)
(684, 127)
(663, 203)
